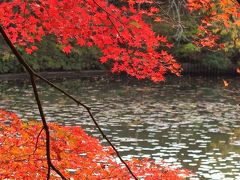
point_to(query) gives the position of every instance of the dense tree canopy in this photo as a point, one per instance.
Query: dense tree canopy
(121, 34)
(116, 28)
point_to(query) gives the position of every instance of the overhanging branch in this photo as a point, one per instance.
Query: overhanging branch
(33, 75)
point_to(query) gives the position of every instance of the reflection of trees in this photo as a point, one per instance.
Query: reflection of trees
(233, 94)
(10, 90)
(228, 146)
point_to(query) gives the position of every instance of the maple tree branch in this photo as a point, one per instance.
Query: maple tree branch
(46, 128)
(37, 98)
(93, 119)
(33, 75)
(108, 14)
(124, 42)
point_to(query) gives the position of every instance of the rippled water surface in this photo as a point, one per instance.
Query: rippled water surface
(191, 122)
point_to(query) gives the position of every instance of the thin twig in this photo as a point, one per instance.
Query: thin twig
(121, 37)
(108, 14)
(36, 145)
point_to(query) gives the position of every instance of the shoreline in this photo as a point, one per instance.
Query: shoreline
(56, 75)
(189, 69)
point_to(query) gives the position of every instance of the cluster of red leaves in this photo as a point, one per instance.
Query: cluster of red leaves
(120, 33)
(221, 14)
(76, 154)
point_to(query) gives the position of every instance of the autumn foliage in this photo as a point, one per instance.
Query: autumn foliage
(124, 38)
(79, 156)
(219, 18)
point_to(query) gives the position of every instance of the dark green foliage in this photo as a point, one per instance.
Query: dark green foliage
(216, 60)
(9, 65)
(187, 51)
(50, 57)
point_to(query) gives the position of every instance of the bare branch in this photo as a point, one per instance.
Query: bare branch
(45, 125)
(33, 74)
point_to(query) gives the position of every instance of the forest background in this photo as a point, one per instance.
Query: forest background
(177, 23)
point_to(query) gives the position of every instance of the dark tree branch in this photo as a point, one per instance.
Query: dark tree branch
(33, 75)
(34, 86)
(36, 145)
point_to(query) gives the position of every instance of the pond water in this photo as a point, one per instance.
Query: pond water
(191, 122)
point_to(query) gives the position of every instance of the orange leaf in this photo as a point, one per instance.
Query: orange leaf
(238, 70)
(225, 83)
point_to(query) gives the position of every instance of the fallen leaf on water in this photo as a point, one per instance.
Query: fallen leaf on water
(225, 83)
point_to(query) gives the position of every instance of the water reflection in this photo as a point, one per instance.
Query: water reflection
(191, 122)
